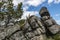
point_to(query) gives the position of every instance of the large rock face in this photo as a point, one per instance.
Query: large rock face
(34, 28)
(48, 21)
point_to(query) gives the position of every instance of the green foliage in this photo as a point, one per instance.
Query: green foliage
(1, 3)
(19, 10)
(57, 37)
(1, 16)
(21, 22)
(10, 10)
(15, 13)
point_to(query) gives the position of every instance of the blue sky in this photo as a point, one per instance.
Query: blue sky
(32, 7)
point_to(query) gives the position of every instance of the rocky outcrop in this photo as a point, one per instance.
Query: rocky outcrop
(31, 30)
(34, 28)
(48, 21)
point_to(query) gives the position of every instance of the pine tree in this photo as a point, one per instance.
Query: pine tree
(9, 10)
(1, 13)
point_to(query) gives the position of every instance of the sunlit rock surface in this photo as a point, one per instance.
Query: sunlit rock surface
(34, 28)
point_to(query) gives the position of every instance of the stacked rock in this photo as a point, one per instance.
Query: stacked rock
(34, 28)
(38, 30)
(48, 21)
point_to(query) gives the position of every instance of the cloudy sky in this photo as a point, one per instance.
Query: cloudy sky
(32, 7)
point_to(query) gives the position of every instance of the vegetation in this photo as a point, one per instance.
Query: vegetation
(21, 22)
(7, 11)
(57, 37)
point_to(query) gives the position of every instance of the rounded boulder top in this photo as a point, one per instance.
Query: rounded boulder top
(44, 11)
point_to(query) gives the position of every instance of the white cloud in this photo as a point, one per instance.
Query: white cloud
(54, 1)
(27, 4)
(58, 22)
(57, 15)
(25, 7)
(27, 13)
(35, 2)
(17, 1)
(50, 1)
(57, 1)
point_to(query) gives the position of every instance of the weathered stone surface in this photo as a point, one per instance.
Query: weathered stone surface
(48, 21)
(37, 32)
(41, 37)
(34, 28)
(29, 35)
(44, 12)
(8, 31)
(54, 29)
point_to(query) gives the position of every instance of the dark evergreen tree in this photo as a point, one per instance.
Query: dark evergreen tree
(9, 11)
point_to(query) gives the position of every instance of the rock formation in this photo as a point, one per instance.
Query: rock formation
(34, 28)
(48, 21)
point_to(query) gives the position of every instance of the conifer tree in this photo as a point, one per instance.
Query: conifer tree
(9, 10)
